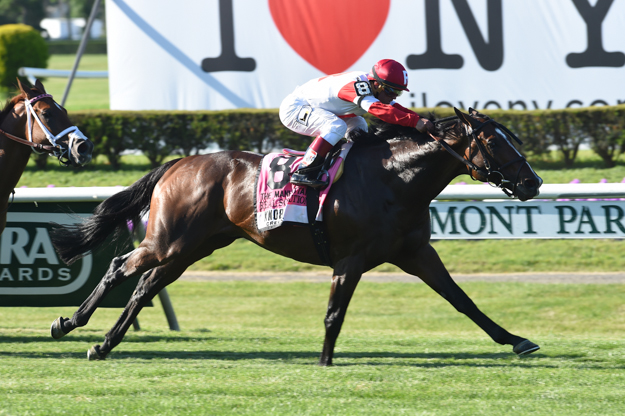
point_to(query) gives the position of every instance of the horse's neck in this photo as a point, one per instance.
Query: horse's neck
(13, 156)
(425, 170)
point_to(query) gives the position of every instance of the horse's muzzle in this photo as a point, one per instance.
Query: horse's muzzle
(81, 152)
(528, 188)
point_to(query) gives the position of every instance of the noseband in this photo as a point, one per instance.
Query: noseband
(494, 176)
(57, 149)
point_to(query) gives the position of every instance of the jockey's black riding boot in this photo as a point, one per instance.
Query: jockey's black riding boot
(308, 173)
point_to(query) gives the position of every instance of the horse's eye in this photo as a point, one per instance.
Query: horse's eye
(491, 143)
(45, 114)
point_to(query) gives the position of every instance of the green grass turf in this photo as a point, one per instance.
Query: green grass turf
(251, 349)
(459, 256)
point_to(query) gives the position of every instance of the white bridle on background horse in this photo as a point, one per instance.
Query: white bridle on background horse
(59, 151)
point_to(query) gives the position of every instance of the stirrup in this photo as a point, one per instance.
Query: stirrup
(302, 179)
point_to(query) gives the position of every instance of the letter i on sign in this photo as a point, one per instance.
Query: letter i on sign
(228, 60)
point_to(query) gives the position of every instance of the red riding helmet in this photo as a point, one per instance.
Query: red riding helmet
(391, 74)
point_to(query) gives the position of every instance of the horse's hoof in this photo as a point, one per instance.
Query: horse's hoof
(56, 329)
(94, 353)
(525, 347)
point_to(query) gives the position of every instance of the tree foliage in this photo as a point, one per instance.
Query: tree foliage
(31, 12)
(28, 12)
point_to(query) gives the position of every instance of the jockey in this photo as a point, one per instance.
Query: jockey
(330, 107)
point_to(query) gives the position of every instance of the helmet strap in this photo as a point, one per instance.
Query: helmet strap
(376, 89)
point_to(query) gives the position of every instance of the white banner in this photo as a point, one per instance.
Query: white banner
(535, 219)
(226, 54)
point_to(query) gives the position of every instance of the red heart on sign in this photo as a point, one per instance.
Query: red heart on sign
(331, 35)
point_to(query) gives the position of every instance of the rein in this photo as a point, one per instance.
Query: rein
(490, 172)
(37, 146)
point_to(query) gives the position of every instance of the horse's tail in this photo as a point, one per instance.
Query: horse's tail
(110, 217)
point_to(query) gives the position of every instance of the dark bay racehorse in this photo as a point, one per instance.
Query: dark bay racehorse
(376, 213)
(31, 121)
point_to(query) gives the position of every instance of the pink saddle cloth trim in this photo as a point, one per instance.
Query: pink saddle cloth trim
(277, 200)
(293, 152)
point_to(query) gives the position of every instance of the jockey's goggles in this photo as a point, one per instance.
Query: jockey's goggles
(392, 91)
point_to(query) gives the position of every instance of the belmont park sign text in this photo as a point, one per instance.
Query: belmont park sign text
(535, 219)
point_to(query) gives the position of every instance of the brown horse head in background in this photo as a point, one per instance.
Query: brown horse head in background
(33, 121)
(378, 212)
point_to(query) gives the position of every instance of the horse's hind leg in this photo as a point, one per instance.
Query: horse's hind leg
(150, 284)
(426, 264)
(116, 274)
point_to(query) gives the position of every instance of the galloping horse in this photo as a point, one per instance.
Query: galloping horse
(376, 213)
(26, 124)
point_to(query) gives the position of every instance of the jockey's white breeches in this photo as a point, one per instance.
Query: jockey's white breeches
(300, 117)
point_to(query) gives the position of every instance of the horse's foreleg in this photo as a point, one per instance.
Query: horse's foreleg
(150, 284)
(343, 286)
(428, 266)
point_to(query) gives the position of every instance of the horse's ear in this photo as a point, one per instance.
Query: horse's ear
(39, 86)
(459, 113)
(23, 89)
(467, 119)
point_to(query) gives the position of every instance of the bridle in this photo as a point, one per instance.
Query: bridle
(492, 173)
(56, 148)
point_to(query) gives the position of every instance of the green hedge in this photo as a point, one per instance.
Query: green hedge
(159, 133)
(602, 127)
(20, 45)
(566, 130)
(70, 47)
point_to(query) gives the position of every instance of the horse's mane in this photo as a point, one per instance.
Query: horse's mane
(10, 103)
(381, 131)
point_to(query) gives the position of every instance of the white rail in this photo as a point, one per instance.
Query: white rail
(451, 192)
(547, 191)
(33, 73)
(69, 194)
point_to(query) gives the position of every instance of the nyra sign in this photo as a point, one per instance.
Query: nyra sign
(29, 264)
(31, 273)
(534, 219)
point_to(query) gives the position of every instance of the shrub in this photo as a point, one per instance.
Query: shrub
(20, 45)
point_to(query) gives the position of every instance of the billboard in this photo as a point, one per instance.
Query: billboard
(487, 54)
(31, 274)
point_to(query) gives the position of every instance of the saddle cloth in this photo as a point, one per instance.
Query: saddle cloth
(276, 200)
